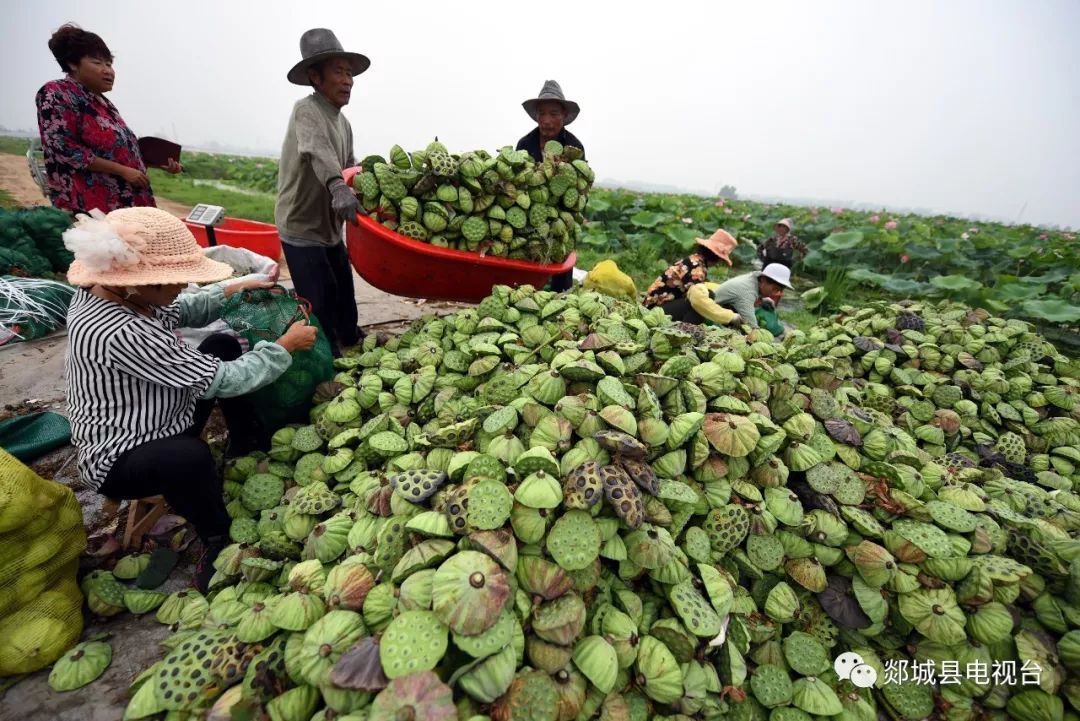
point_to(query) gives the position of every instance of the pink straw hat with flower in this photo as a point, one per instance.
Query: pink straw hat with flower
(137, 246)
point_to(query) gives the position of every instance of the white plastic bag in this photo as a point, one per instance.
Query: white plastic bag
(251, 265)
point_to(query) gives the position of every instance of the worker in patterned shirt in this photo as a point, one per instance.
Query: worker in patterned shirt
(782, 247)
(694, 268)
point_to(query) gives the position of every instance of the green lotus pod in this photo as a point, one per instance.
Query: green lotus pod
(548, 657)
(696, 613)
(771, 686)
(171, 609)
(80, 666)
(663, 680)
(104, 595)
(328, 540)
(990, 623)
(540, 490)
(782, 605)
(808, 573)
(574, 541)
(814, 696)
(935, 613)
(255, 625)
(140, 602)
(1035, 705)
(547, 388)
(784, 506)
(414, 641)
(598, 662)
(487, 679)
(297, 611)
(654, 432)
(529, 524)
(295, 704)
(128, 567)
(727, 527)
(874, 564)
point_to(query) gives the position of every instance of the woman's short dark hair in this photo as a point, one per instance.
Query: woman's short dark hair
(70, 44)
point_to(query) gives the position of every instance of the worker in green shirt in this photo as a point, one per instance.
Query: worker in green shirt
(759, 290)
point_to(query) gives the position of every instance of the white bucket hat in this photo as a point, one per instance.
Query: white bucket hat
(786, 222)
(778, 273)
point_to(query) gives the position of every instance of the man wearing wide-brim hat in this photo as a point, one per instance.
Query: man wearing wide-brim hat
(313, 199)
(552, 113)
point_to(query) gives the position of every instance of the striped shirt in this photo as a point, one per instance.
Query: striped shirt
(130, 380)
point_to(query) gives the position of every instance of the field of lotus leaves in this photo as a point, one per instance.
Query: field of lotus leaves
(1018, 271)
(558, 507)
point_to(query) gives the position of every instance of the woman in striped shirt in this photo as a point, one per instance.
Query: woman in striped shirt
(139, 396)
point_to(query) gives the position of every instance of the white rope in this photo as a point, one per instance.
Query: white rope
(25, 300)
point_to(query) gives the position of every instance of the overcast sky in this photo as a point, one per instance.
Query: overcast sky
(963, 106)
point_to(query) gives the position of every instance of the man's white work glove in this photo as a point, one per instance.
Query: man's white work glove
(344, 201)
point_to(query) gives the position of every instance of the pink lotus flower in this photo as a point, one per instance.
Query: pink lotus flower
(720, 203)
(891, 225)
(964, 236)
(904, 259)
(727, 211)
(1069, 236)
(1042, 237)
(837, 211)
(875, 218)
(973, 230)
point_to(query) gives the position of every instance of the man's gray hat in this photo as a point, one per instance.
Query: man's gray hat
(318, 45)
(551, 91)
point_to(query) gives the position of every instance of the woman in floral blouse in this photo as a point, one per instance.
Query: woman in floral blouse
(694, 268)
(92, 157)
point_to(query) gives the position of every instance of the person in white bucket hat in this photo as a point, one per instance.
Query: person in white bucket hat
(744, 293)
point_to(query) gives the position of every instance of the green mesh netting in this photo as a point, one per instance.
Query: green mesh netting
(31, 241)
(265, 314)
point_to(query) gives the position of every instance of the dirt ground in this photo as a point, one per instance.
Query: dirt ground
(31, 379)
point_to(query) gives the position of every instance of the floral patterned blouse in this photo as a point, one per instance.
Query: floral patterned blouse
(76, 126)
(676, 280)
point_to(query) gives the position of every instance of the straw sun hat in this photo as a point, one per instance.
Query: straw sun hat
(721, 243)
(137, 246)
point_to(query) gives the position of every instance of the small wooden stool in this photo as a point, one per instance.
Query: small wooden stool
(143, 513)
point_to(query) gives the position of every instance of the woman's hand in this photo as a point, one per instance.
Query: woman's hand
(173, 166)
(134, 176)
(247, 285)
(300, 336)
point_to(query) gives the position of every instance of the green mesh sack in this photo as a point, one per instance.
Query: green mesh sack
(265, 314)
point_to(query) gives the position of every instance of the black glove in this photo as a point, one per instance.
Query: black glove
(344, 201)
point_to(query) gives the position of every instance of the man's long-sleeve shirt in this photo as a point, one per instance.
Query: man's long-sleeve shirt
(740, 294)
(318, 146)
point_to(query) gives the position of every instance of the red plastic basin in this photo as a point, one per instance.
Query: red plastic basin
(261, 238)
(400, 265)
